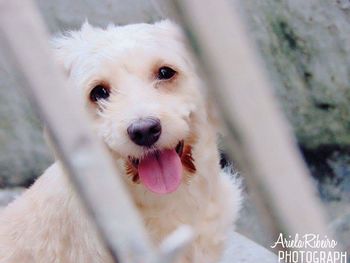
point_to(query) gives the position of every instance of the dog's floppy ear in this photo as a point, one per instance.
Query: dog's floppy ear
(68, 47)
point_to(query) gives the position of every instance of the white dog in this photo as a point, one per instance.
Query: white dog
(149, 108)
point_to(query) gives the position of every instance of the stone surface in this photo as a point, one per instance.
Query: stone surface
(8, 195)
(67, 15)
(23, 153)
(305, 46)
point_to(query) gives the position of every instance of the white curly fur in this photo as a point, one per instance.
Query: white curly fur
(46, 223)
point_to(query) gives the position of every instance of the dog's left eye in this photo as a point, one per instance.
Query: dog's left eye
(100, 92)
(166, 73)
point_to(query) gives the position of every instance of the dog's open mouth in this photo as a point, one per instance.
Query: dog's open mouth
(160, 171)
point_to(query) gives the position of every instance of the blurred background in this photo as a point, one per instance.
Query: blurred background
(305, 46)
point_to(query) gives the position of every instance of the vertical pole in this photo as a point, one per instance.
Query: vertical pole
(259, 136)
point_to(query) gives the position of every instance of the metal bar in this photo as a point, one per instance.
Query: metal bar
(258, 134)
(84, 158)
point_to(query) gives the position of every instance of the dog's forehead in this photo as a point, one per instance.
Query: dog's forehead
(137, 37)
(91, 45)
(136, 45)
(143, 42)
(139, 48)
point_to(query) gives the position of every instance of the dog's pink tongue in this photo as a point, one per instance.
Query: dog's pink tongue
(161, 172)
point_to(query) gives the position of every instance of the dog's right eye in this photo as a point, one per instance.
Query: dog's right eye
(165, 73)
(100, 92)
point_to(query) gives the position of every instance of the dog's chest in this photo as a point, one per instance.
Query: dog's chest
(163, 214)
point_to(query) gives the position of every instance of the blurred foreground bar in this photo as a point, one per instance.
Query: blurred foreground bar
(259, 137)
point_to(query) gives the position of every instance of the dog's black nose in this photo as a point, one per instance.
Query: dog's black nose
(145, 132)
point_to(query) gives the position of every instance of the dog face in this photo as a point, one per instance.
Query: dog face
(142, 88)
